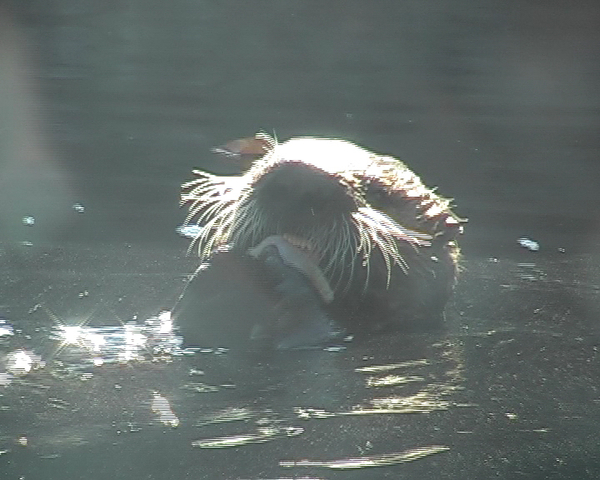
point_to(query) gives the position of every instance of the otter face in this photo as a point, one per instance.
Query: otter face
(297, 198)
(360, 226)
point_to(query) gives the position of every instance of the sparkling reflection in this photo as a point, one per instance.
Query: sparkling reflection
(131, 341)
(18, 363)
(21, 362)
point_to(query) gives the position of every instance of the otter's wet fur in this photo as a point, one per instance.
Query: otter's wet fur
(384, 241)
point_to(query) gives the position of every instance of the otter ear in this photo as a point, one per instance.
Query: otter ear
(448, 231)
(243, 151)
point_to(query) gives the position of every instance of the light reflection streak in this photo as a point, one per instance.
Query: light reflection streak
(370, 461)
(431, 398)
(263, 434)
(228, 415)
(391, 380)
(392, 366)
(424, 401)
(436, 393)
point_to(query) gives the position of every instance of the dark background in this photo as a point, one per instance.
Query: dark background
(110, 104)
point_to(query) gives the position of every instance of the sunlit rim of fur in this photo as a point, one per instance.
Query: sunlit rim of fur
(228, 214)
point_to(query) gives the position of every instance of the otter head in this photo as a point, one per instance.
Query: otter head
(301, 199)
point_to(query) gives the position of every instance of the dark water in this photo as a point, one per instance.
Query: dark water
(109, 106)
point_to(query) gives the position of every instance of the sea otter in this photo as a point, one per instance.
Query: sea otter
(316, 238)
